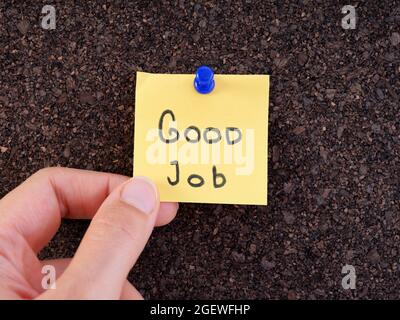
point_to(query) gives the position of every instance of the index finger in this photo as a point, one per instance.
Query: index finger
(35, 207)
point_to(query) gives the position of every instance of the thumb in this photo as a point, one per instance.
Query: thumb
(113, 242)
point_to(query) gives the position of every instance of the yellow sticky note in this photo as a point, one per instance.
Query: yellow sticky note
(208, 148)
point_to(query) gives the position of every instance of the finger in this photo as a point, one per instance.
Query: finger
(167, 213)
(59, 265)
(129, 292)
(35, 208)
(113, 242)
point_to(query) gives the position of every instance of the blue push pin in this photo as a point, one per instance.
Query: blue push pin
(204, 81)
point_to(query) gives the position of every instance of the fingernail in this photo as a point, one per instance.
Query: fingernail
(141, 194)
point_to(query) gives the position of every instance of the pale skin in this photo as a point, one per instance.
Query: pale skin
(123, 210)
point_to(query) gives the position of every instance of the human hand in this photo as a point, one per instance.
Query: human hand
(124, 212)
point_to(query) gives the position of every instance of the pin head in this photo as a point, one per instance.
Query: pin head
(204, 81)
